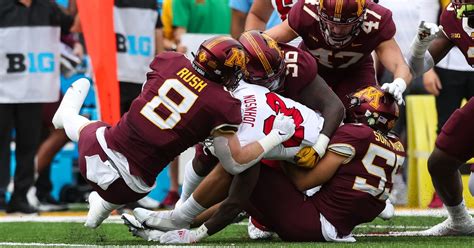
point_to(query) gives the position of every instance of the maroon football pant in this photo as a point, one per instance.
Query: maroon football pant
(278, 205)
(457, 135)
(118, 192)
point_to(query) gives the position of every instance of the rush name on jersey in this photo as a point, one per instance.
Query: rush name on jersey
(377, 27)
(458, 32)
(176, 109)
(259, 108)
(357, 192)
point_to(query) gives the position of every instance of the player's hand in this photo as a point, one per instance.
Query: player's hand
(138, 230)
(309, 156)
(306, 157)
(285, 126)
(208, 147)
(427, 32)
(182, 236)
(396, 89)
(432, 83)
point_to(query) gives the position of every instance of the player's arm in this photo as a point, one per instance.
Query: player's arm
(391, 57)
(318, 96)
(282, 32)
(238, 23)
(258, 15)
(235, 158)
(305, 179)
(429, 35)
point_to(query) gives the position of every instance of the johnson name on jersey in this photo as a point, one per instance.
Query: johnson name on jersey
(259, 109)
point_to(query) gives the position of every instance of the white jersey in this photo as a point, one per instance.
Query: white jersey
(259, 108)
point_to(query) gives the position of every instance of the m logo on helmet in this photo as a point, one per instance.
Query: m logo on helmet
(372, 95)
(237, 58)
(202, 57)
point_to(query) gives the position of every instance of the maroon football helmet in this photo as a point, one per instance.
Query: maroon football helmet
(463, 11)
(266, 65)
(221, 59)
(341, 20)
(373, 107)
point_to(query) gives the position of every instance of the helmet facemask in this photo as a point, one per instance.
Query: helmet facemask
(340, 28)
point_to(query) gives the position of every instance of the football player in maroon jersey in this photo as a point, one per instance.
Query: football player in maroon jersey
(454, 145)
(281, 68)
(341, 35)
(181, 104)
(351, 194)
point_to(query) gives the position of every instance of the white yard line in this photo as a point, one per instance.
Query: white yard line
(16, 244)
(116, 218)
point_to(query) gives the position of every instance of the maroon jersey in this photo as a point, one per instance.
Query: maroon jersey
(334, 64)
(301, 69)
(458, 32)
(176, 109)
(457, 134)
(357, 192)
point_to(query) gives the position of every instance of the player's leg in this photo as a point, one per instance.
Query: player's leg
(212, 190)
(195, 171)
(278, 205)
(67, 116)
(453, 148)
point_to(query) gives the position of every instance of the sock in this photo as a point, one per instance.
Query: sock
(458, 213)
(68, 110)
(190, 182)
(73, 124)
(189, 210)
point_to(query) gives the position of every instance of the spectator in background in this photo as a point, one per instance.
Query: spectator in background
(240, 11)
(30, 77)
(53, 140)
(200, 16)
(450, 82)
(169, 40)
(407, 19)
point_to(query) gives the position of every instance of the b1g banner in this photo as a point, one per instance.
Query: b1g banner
(98, 29)
(29, 71)
(135, 43)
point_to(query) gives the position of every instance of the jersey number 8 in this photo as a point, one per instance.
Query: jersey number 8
(173, 110)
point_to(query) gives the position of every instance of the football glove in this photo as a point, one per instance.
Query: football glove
(396, 89)
(184, 236)
(138, 230)
(309, 156)
(285, 126)
(427, 32)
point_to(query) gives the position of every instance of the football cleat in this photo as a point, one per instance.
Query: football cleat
(259, 232)
(450, 228)
(72, 101)
(99, 210)
(136, 228)
(161, 220)
(388, 212)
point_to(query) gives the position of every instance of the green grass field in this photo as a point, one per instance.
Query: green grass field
(59, 234)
